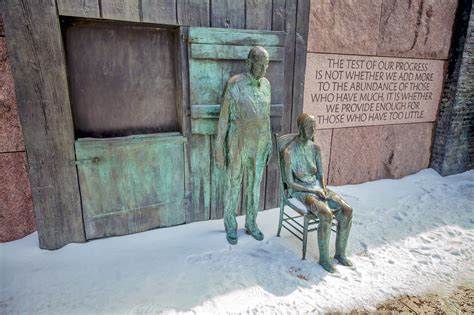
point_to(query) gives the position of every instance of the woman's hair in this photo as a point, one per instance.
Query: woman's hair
(303, 120)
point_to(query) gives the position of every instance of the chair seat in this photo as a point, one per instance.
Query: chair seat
(300, 207)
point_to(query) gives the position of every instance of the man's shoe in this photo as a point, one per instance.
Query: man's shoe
(343, 260)
(232, 237)
(255, 232)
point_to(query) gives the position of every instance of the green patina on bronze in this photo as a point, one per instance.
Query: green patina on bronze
(304, 176)
(243, 144)
(131, 184)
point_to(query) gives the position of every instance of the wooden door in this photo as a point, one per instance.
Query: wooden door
(130, 154)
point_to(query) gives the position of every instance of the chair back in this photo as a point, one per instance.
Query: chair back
(281, 144)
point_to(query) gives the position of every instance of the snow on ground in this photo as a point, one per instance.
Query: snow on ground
(410, 236)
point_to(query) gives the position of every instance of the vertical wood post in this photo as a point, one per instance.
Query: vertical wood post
(37, 57)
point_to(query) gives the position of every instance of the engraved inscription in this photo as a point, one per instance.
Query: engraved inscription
(349, 91)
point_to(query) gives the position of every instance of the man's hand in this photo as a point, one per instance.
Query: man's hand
(220, 159)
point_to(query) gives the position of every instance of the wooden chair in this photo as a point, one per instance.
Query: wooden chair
(287, 220)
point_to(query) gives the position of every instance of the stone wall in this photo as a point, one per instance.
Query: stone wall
(453, 149)
(419, 29)
(16, 205)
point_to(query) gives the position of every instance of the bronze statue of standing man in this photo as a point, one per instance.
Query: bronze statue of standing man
(244, 143)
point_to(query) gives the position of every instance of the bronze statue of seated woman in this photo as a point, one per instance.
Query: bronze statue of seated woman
(305, 181)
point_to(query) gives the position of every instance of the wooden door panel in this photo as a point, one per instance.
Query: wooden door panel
(131, 184)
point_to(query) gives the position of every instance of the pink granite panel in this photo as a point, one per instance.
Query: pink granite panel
(347, 27)
(355, 155)
(416, 28)
(16, 206)
(406, 149)
(11, 138)
(364, 154)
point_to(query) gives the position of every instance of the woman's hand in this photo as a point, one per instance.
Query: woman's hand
(321, 194)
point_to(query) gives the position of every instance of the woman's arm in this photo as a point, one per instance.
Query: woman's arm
(319, 166)
(289, 175)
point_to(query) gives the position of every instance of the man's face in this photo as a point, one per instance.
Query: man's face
(259, 66)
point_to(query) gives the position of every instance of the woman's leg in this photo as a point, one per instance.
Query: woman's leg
(324, 230)
(344, 223)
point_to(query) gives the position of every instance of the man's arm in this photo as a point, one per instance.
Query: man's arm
(222, 127)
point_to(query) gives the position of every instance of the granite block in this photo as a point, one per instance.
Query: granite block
(16, 207)
(11, 138)
(406, 149)
(346, 27)
(355, 155)
(416, 28)
(364, 154)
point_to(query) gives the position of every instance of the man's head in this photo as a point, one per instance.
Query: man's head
(257, 62)
(306, 126)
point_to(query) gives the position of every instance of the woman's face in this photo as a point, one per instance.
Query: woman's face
(309, 129)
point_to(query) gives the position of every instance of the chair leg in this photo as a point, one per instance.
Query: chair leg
(305, 235)
(280, 222)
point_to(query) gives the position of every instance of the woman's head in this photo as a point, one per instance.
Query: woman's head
(306, 126)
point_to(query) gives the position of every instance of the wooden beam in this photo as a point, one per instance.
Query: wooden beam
(159, 11)
(84, 8)
(206, 35)
(194, 12)
(37, 57)
(228, 13)
(301, 43)
(258, 14)
(126, 10)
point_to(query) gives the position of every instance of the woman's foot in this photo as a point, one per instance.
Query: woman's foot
(327, 266)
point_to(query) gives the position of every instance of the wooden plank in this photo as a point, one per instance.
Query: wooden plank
(82, 8)
(184, 106)
(194, 13)
(228, 14)
(272, 188)
(272, 194)
(159, 11)
(290, 27)
(217, 186)
(278, 16)
(201, 177)
(205, 117)
(258, 14)
(301, 43)
(126, 10)
(206, 35)
(223, 52)
(212, 111)
(36, 54)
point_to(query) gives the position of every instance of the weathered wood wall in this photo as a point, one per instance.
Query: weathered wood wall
(37, 56)
(44, 107)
